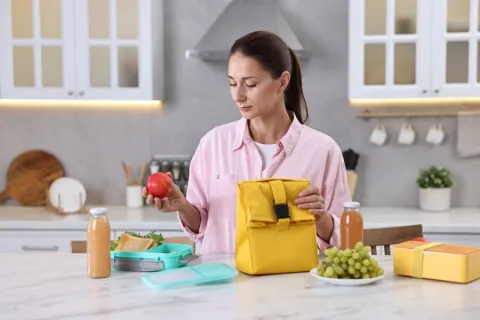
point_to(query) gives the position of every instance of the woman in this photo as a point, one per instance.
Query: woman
(270, 140)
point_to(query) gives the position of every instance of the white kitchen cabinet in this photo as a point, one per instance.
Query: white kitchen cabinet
(81, 50)
(54, 241)
(28, 241)
(414, 49)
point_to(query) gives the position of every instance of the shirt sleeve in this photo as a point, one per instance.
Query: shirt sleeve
(335, 193)
(196, 192)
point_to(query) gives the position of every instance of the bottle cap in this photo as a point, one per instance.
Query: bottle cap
(351, 204)
(98, 211)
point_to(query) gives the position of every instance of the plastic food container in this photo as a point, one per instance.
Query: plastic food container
(163, 257)
(438, 261)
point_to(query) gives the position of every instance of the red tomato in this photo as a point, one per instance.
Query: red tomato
(420, 239)
(159, 185)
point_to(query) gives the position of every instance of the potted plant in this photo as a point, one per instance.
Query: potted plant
(435, 189)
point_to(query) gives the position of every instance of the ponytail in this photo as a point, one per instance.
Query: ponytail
(294, 98)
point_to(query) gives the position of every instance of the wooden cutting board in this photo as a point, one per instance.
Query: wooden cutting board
(30, 175)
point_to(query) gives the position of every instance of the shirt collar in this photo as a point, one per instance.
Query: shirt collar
(288, 141)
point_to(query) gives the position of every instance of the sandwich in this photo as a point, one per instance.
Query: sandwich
(132, 240)
(134, 244)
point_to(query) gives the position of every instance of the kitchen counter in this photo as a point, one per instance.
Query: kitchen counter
(457, 220)
(33, 229)
(36, 291)
(121, 217)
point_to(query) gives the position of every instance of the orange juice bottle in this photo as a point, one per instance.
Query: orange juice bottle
(98, 244)
(351, 226)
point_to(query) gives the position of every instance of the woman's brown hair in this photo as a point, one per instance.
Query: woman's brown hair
(276, 57)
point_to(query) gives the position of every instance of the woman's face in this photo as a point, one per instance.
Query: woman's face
(253, 89)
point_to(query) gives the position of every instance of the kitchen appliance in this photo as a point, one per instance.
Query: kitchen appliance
(239, 18)
(177, 164)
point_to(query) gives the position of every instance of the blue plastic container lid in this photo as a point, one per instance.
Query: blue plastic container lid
(192, 275)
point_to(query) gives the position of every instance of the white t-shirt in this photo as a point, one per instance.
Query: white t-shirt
(266, 152)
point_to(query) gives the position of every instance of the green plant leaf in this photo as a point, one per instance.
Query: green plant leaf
(434, 177)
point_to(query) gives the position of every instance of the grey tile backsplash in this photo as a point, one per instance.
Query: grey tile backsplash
(92, 143)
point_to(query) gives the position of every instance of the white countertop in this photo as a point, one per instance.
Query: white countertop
(121, 217)
(456, 220)
(34, 291)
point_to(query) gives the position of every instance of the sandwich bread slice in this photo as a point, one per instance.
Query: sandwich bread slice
(134, 244)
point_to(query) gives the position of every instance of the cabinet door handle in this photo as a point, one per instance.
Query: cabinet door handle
(82, 93)
(424, 91)
(35, 248)
(70, 93)
(437, 91)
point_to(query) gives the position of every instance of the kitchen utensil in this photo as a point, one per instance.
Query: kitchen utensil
(29, 177)
(163, 257)
(127, 170)
(350, 158)
(67, 195)
(345, 282)
(143, 169)
(352, 181)
(192, 275)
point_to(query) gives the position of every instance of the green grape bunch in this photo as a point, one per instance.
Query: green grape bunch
(349, 264)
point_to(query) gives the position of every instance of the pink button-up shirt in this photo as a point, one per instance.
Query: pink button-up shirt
(227, 154)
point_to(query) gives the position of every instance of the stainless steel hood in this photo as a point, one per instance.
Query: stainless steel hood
(239, 18)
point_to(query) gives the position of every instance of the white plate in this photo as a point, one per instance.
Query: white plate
(71, 193)
(345, 282)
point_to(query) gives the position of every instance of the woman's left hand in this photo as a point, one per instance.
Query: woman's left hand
(312, 200)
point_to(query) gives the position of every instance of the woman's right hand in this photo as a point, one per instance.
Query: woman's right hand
(174, 202)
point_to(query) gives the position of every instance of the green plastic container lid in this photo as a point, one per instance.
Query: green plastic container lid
(207, 273)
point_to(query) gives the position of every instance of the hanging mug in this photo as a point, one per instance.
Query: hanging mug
(406, 135)
(379, 135)
(435, 135)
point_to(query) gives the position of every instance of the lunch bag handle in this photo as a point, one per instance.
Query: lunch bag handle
(280, 206)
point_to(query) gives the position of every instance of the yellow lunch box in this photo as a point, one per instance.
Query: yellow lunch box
(437, 261)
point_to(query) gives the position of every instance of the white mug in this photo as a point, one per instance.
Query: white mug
(435, 135)
(406, 135)
(379, 135)
(134, 198)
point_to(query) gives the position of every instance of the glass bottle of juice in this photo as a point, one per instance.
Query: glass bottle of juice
(351, 225)
(98, 244)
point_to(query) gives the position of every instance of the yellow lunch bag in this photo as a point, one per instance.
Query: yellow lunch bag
(272, 234)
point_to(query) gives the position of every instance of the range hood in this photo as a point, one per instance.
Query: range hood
(239, 18)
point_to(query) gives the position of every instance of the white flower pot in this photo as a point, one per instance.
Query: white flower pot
(435, 199)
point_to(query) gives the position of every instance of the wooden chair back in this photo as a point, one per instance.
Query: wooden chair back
(389, 236)
(80, 246)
